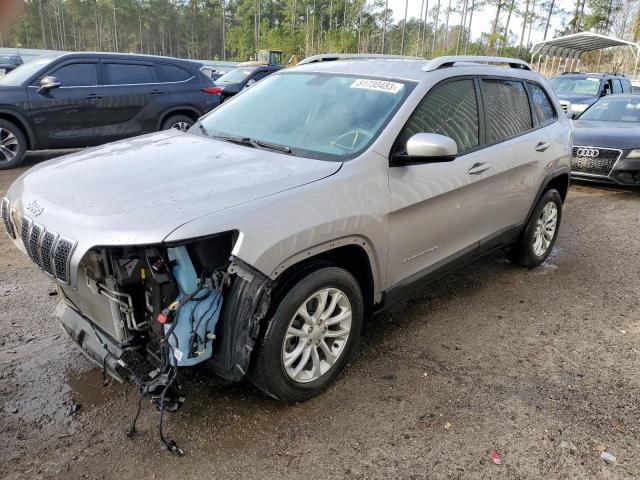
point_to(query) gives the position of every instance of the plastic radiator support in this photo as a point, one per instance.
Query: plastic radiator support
(191, 339)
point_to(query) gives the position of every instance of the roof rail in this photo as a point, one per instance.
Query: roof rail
(327, 57)
(450, 61)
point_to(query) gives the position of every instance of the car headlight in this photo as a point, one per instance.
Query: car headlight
(634, 153)
(578, 107)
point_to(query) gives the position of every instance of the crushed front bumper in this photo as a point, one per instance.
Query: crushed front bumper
(95, 344)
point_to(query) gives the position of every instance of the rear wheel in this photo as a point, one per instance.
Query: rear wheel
(310, 337)
(177, 122)
(13, 145)
(536, 242)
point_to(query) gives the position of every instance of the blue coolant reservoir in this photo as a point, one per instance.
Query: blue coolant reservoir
(192, 337)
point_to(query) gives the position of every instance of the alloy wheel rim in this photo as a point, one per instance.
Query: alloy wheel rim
(317, 335)
(182, 126)
(8, 145)
(545, 229)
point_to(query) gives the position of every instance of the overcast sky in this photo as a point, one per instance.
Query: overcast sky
(481, 20)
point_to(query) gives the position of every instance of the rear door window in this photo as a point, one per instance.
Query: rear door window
(128, 74)
(449, 109)
(542, 107)
(77, 75)
(508, 110)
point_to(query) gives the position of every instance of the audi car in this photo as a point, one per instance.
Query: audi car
(607, 141)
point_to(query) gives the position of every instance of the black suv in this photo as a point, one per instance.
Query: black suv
(85, 99)
(578, 91)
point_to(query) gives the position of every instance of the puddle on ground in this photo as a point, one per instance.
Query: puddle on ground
(87, 388)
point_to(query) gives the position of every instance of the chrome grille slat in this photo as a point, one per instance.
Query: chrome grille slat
(47, 249)
(61, 257)
(24, 235)
(602, 165)
(34, 244)
(46, 252)
(4, 211)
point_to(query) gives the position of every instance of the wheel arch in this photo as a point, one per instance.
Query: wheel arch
(191, 112)
(22, 124)
(558, 179)
(353, 254)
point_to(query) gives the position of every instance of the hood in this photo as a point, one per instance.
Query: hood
(139, 190)
(578, 99)
(620, 135)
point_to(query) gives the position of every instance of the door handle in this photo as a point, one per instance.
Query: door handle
(157, 92)
(93, 96)
(478, 168)
(542, 146)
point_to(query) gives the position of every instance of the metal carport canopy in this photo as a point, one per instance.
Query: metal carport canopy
(577, 43)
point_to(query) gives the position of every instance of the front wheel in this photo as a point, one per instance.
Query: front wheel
(536, 242)
(310, 337)
(13, 145)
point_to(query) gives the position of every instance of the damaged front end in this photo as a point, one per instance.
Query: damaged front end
(139, 300)
(142, 312)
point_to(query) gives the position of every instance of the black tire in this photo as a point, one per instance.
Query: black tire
(13, 140)
(267, 370)
(523, 252)
(174, 120)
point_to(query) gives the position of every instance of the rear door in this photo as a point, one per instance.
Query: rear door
(521, 146)
(133, 98)
(68, 116)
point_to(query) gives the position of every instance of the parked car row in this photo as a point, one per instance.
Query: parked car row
(606, 115)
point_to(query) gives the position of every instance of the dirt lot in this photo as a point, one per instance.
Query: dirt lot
(541, 365)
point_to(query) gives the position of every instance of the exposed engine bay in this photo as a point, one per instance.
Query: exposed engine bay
(142, 313)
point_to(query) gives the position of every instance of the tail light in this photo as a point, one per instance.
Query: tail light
(216, 90)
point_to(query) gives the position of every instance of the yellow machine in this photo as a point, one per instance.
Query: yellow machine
(265, 57)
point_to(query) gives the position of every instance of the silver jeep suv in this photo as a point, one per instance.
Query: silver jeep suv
(256, 243)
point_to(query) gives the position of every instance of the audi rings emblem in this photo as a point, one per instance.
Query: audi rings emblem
(588, 152)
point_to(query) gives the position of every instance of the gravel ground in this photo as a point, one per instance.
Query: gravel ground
(540, 365)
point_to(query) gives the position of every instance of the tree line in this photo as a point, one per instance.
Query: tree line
(235, 29)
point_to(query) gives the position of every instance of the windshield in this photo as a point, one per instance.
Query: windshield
(24, 72)
(324, 116)
(576, 86)
(614, 110)
(236, 76)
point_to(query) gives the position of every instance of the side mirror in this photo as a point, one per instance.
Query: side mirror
(47, 83)
(250, 82)
(427, 148)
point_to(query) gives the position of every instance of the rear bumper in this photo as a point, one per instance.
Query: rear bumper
(95, 344)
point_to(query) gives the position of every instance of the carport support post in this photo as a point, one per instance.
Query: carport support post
(546, 59)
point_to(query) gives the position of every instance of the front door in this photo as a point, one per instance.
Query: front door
(67, 116)
(437, 208)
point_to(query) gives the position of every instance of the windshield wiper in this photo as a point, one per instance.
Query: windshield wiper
(272, 146)
(202, 129)
(250, 142)
(239, 140)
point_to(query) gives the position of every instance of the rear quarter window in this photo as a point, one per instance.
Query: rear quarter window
(173, 73)
(508, 110)
(542, 106)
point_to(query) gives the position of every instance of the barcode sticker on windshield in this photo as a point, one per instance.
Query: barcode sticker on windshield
(378, 85)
